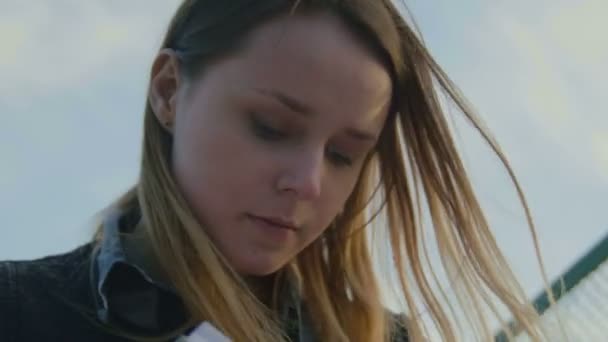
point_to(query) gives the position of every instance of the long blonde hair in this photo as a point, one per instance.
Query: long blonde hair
(415, 167)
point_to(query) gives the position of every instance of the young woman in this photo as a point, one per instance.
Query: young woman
(274, 132)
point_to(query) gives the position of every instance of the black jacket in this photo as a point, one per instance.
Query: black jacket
(49, 299)
(52, 299)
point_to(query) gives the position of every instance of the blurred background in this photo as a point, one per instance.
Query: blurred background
(73, 79)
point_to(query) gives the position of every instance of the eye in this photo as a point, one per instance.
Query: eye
(339, 159)
(266, 132)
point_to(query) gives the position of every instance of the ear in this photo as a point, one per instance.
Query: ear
(164, 83)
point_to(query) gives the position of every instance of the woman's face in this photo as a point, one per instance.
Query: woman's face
(269, 142)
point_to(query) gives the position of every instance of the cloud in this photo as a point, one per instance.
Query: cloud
(73, 84)
(562, 54)
(544, 87)
(600, 143)
(52, 47)
(579, 28)
(541, 92)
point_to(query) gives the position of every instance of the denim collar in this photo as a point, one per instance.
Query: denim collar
(129, 295)
(133, 296)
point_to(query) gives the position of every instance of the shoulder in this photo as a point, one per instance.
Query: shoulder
(55, 272)
(55, 262)
(8, 302)
(46, 297)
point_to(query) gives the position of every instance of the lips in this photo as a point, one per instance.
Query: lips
(278, 222)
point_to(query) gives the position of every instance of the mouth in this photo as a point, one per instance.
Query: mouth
(277, 222)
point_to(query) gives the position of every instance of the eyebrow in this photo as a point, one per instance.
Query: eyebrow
(297, 106)
(288, 101)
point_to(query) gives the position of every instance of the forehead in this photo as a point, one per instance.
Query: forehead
(317, 60)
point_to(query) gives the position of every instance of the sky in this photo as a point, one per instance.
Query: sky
(73, 87)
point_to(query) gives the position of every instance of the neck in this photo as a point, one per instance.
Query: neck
(262, 287)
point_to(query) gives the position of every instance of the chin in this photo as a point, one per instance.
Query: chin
(258, 268)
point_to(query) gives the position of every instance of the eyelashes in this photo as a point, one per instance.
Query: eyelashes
(266, 132)
(339, 159)
(270, 134)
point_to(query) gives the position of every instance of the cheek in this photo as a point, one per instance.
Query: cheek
(338, 191)
(197, 161)
(217, 167)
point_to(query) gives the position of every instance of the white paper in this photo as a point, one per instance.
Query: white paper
(205, 333)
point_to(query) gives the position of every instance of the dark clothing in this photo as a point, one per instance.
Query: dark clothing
(129, 294)
(79, 295)
(50, 299)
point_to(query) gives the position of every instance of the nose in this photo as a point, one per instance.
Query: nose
(302, 177)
